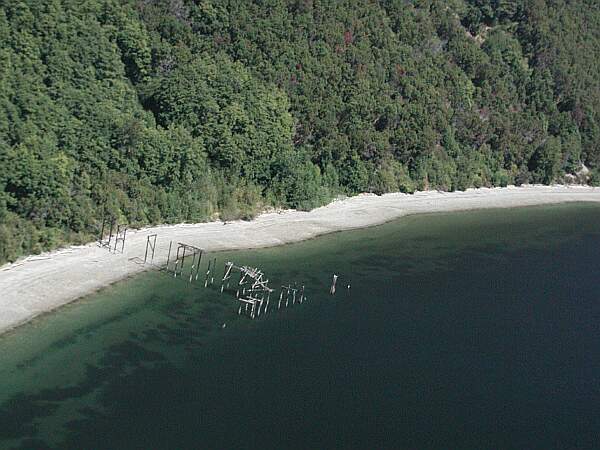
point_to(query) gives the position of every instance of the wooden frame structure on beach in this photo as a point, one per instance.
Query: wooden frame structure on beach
(119, 236)
(106, 221)
(150, 244)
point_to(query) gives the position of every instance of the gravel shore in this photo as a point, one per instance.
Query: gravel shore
(41, 283)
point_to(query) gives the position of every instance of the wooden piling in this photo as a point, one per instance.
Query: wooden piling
(333, 281)
(214, 266)
(207, 273)
(152, 245)
(102, 231)
(195, 265)
(112, 224)
(169, 255)
(123, 241)
(182, 262)
(198, 266)
(176, 262)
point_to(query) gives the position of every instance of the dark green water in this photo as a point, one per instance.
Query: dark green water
(476, 330)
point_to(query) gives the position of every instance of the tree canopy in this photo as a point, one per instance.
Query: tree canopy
(177, 110)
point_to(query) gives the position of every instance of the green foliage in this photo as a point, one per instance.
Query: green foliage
(546, 161)
(169, 111)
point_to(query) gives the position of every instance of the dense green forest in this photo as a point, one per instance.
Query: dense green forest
(178, 110)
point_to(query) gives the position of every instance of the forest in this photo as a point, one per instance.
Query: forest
(167, 111)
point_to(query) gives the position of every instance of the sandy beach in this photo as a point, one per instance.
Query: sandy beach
(41, 283)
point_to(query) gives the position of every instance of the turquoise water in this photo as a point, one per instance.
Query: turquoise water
(464, 330)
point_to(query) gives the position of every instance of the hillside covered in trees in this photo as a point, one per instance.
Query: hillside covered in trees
(178, 110)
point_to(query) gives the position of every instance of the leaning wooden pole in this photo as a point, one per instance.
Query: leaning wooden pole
(198, 267)
(207, 273)
(214, 266)
(102, 231)
(123, 242)
(169, 255)
(192, 268)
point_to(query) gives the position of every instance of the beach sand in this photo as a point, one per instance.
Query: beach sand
(41, 283)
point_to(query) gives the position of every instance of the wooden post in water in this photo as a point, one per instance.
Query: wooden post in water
(176, 262)
(207, 274)
(194, 267)
(198, 266)
(332, 289)
(212, 278)
(182, 262)
(226, 275)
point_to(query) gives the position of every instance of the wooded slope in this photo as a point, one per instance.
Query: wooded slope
(167, 111)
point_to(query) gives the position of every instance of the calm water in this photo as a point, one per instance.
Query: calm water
(476, 330)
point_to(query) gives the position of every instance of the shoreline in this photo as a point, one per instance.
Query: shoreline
(38, 284)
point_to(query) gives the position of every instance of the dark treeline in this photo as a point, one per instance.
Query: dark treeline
(174, 110)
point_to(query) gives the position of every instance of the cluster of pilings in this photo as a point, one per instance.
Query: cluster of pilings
(177, 265)
(210, 276)
(291, 293)
(253, 292)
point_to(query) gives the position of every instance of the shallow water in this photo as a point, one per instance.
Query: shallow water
(463, 330)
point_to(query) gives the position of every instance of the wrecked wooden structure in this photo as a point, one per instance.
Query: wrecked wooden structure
(250, 284)
(251, 290)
